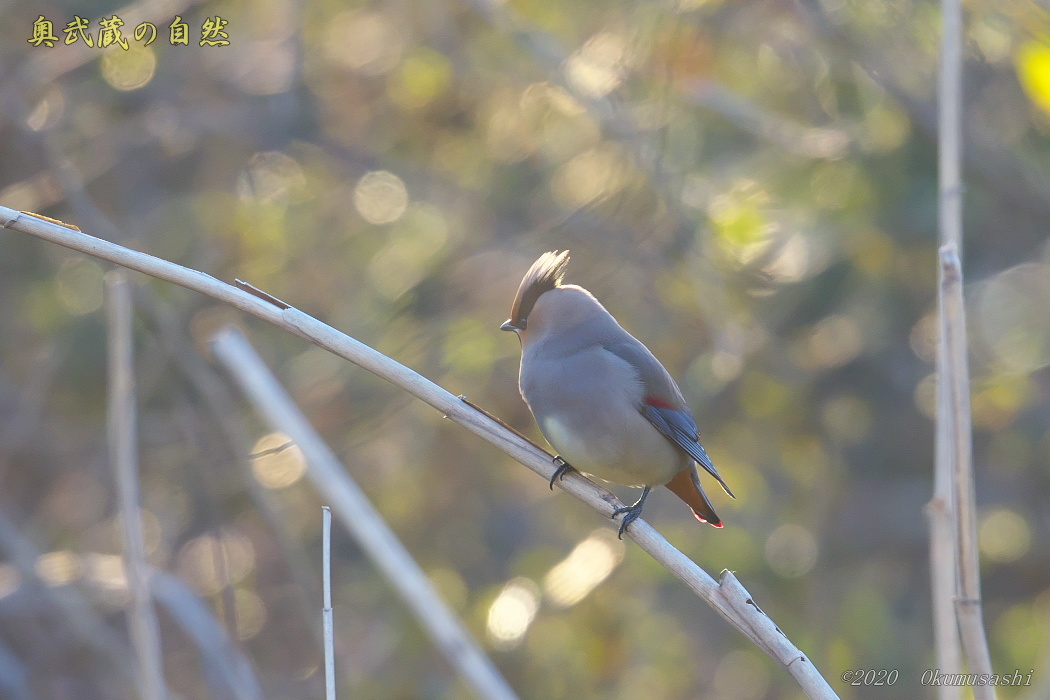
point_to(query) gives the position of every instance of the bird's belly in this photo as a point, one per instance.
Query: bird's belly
(634, 455)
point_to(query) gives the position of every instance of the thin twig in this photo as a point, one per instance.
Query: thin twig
(954, 425)
(122, 429)
(360, 517)
(326, 612)
(779, 647)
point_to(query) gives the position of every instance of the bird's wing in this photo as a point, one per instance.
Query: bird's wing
(681, 429)
(663, 404)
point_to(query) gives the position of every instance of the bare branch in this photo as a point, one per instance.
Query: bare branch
(956, 403)
(360, 518)
(940, 511)
(778, 646)
(326, 613)
(123, 454)
(954, 427)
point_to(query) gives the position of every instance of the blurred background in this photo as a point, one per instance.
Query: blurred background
(750, 187)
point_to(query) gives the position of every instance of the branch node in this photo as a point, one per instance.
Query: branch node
(950, 262)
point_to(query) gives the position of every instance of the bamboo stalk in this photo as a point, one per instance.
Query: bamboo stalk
(954, 478)
(968, 583)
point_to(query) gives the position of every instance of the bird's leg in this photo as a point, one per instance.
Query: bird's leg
(563, 469)
(632, 512)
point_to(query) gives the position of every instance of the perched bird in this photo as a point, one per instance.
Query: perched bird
(600, 397)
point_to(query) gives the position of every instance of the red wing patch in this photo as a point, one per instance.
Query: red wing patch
(657, 402)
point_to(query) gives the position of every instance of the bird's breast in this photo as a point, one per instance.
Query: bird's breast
(587, 406)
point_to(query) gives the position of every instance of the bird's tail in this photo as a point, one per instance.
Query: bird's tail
(686, 485)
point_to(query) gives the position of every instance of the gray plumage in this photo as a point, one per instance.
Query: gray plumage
(599, 396)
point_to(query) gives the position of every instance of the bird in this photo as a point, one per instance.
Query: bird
(601, 398)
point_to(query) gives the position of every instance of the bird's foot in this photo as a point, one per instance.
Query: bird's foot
(563, 469)
(631, 513)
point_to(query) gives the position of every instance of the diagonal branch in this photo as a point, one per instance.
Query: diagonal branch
(747, 618)
(361, 520)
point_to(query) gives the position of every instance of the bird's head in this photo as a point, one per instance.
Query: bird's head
(544, 275)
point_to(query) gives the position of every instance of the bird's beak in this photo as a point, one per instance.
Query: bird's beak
(508, 326)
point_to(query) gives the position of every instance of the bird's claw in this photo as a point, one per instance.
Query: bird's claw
(631, 513)
(563, 469)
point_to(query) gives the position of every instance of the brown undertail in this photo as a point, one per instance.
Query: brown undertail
(683, 487)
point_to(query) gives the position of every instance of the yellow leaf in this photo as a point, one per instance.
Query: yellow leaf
(1033, 70)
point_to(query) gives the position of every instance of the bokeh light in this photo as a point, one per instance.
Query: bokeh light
(106, 571)
(59, 567)
(271, 177)
(210, 563)
(364, 41)
(277, 463)
(598, 67)
(512, 612)
(791, 551)
(251, 613)
(1012, 319)
(835, 341)
(590, 176)
(589, 563)
(129, 70)
(80, 286)
(1004, 535)
(380, 197)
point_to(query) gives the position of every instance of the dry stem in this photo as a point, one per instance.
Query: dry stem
(124, 457)
(953, 508)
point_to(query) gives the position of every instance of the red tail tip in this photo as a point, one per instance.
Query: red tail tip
(718, 524)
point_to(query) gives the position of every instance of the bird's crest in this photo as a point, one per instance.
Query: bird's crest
(544, 275)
